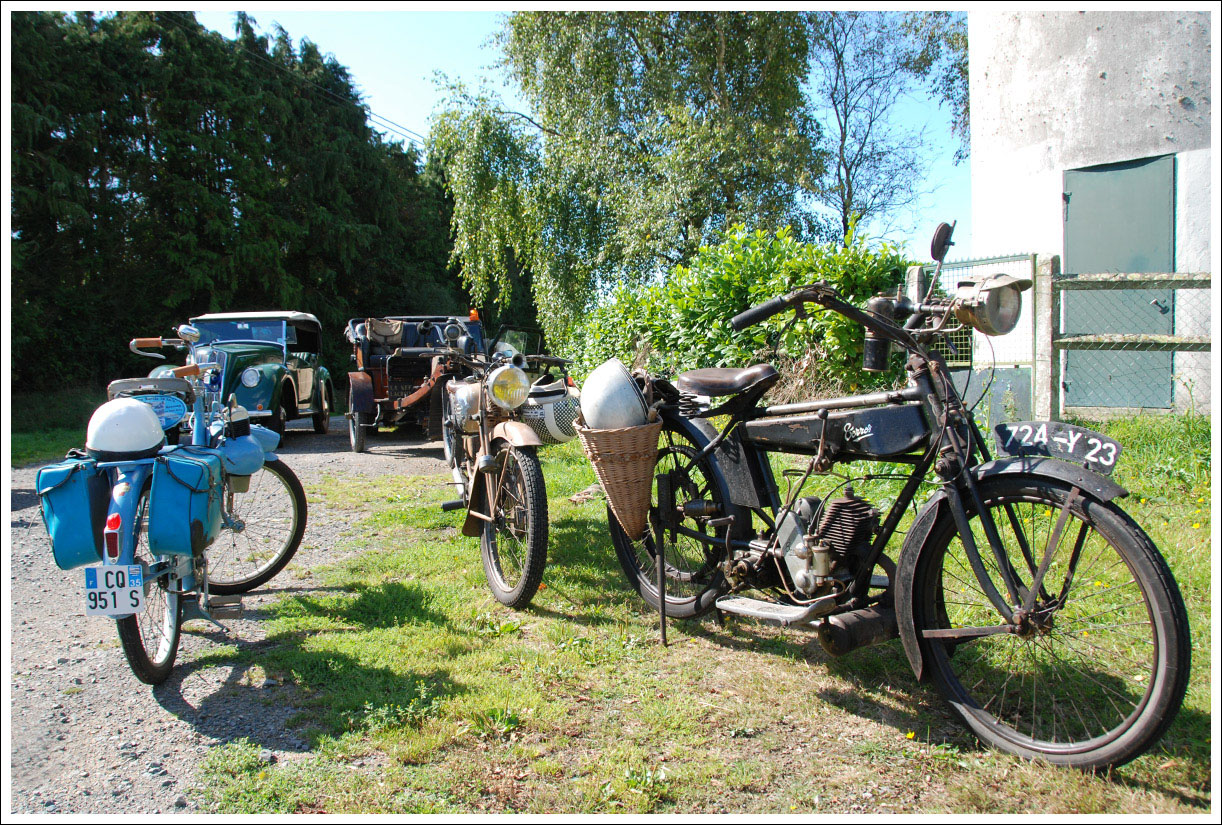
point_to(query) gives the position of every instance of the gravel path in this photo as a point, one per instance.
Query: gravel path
(86, 736)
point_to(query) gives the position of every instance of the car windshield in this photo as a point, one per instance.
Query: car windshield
(254, 330)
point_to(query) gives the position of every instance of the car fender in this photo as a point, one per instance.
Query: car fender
(937, 509)
(322, 384)
(361, 388)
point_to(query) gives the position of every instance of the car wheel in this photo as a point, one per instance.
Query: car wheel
(322, 420)
(278, 421)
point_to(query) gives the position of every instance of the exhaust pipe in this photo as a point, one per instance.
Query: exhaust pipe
(845, 632)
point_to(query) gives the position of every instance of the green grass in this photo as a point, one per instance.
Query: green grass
(419, 693)
(46, 425)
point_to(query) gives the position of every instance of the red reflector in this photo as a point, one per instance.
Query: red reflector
(112, 544)
(113, 522)
(569, 380)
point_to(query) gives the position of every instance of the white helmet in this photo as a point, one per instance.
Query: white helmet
(551, 411)
(610, 399)
(123, 430)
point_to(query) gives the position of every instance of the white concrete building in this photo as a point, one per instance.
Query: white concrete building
(1091, 140)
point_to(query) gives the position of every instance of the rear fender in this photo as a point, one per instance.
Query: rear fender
(930, 522)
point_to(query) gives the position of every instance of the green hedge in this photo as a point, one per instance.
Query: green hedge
(683, 322)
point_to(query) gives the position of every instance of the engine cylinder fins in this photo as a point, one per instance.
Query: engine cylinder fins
(847, 523)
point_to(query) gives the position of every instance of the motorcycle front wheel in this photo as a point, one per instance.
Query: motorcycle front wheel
(262, 531)
(150, 638)
(1097, 673)
(692, 573)
(514, 544)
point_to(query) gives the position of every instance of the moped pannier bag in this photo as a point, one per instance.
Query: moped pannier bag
(185, 506)
(74, 495)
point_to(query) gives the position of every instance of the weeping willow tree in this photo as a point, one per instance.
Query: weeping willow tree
(646, 134)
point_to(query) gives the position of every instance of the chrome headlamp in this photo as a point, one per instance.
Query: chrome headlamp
(993, 305)
(250, 378)
(508, 386)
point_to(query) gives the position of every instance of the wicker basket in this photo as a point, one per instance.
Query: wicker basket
(623, 460)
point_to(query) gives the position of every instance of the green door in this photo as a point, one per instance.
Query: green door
(1119, 218)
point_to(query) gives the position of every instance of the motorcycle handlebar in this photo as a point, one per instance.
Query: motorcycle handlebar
(761, 312)
(146, 342)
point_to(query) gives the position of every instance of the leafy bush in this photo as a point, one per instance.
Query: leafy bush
(684, 322)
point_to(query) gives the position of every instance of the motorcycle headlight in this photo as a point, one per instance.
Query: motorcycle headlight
(991, 306)
(509, 386)
(250, 378)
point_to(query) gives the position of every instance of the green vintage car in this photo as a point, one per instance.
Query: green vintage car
(270, 361)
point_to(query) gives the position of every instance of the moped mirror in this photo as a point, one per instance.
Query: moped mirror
(188, 333)
(941, 242)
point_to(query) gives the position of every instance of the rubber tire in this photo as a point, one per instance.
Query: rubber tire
(156, 668)
(534, 499)
(278, 422)
(282, 473)
(356, 427)
(674, 441)
(1164, 608)
(322, 420)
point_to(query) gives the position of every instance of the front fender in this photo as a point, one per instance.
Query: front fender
(360, 388)
(916, 542)
(517, 434)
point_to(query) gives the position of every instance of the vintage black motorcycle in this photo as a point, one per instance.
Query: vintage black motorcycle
(1043, 613)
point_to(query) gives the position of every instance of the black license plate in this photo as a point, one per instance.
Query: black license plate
(1052, 438)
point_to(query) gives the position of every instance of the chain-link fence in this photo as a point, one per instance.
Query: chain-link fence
(994, 373)
(1131, 342)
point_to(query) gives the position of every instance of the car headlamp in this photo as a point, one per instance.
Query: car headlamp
(250, 378)
(993, 305)
(509, 387)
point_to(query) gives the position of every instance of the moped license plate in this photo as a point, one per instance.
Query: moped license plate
(1052, 438)
(114, 590)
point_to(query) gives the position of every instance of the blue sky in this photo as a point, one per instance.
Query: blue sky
(394, 57)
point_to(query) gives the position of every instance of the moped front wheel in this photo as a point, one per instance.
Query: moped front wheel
(263, 528)
(150, 638)
(692, 567)
(1097, 671)
(513, 545)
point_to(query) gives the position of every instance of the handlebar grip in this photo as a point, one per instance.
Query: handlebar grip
(183, 372)
(146, 342)
(755, 314)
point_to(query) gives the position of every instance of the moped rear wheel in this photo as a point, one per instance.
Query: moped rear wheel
(514, 545)
(262, 531)
(1097, 672)
(150, 638)
(693, 577)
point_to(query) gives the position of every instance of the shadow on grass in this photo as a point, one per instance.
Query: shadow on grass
(326, 691)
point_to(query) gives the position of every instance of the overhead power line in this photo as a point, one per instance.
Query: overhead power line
(410, 135)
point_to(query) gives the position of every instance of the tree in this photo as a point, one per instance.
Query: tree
(859, 73)
(937, 53)
(646, 134)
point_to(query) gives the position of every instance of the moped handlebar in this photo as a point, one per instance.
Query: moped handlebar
(762, 312)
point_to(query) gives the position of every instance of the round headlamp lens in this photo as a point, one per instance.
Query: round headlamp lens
(509, 386)
(250, 378)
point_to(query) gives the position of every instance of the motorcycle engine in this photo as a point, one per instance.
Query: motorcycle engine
(819, 542)
(464, 404)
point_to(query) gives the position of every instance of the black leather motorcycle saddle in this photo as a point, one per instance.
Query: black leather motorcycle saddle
(715, 382)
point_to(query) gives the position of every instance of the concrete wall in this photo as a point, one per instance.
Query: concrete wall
(1059, 90)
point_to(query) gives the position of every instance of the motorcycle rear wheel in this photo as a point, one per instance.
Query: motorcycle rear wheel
(514, 545)
(150, 638)
(693, 576)
(1099, 674)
